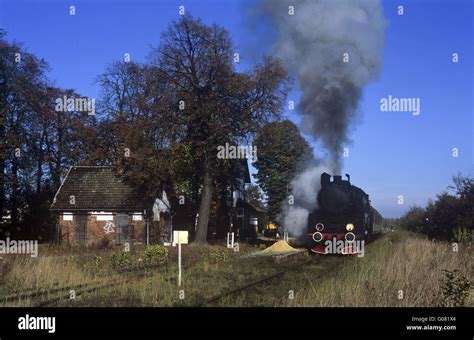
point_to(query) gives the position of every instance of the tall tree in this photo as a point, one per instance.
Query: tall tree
(281, 150)
(37, 142)
(22, 75)
(220, 105)
(174, 111)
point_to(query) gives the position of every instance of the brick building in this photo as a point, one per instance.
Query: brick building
(95, 204)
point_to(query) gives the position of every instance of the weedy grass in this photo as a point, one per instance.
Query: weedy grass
(399, 269)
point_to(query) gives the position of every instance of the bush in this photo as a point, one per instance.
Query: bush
(156, 255)
(219, 255)
(463, 235)
(455, 289)
(447, 217)
(121, 260)
(414, 220)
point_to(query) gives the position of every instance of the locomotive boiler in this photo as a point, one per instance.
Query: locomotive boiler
(344, 217)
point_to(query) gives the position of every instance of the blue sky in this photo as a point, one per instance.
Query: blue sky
(393, 153)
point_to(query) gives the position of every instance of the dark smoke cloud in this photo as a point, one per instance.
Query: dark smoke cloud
(312, 44)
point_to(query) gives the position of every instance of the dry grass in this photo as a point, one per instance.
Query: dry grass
(397, 261)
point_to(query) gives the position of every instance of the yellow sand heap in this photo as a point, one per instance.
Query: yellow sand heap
(279, 247)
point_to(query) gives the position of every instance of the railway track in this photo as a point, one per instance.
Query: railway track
(252, 284)
(48, 297)
(332, 265)
(63, 293)
(29, 294)
(85, 290)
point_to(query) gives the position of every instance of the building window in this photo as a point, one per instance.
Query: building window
(137, 217)
(67, 216)
(103, 216)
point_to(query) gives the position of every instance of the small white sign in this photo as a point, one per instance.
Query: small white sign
(180, 236)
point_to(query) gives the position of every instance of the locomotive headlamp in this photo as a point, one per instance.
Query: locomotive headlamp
(349, 227)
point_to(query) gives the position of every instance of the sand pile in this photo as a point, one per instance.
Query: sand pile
(279, 247)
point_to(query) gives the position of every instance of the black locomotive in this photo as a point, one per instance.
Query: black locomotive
(344, 216)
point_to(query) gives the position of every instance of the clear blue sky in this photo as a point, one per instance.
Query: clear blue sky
(393, 153)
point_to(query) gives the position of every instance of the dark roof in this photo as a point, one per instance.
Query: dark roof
(246, 171)
(96, 188)
(240, 169)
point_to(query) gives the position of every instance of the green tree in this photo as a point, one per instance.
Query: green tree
(254, 195)
(414, 220)
(281, 152)
(464, 187)
(450, 216)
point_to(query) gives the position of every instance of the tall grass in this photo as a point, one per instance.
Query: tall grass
(400, 270)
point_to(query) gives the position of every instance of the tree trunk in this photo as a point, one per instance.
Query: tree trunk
(39, 164)
(3, 150)
(205, 206)
(14, 193)
(58, 166)
(3, 154)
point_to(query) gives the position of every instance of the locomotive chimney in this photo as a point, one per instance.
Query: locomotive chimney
(348, 178)
(337, 178)
(325, 179)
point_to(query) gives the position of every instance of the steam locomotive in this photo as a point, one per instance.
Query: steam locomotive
(343, 219)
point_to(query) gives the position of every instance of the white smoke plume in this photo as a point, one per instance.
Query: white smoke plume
(305, 187)
(333, 48)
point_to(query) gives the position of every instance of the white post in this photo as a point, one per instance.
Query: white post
(230, 240)
(179, 262)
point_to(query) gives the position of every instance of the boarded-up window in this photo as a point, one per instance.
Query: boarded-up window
(68, 217)
(80, 222)
(137, 217)
(122, 229)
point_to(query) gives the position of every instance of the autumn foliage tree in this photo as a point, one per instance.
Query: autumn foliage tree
(159, 122)
(174, 111)
(220, 105)
(38, 144)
